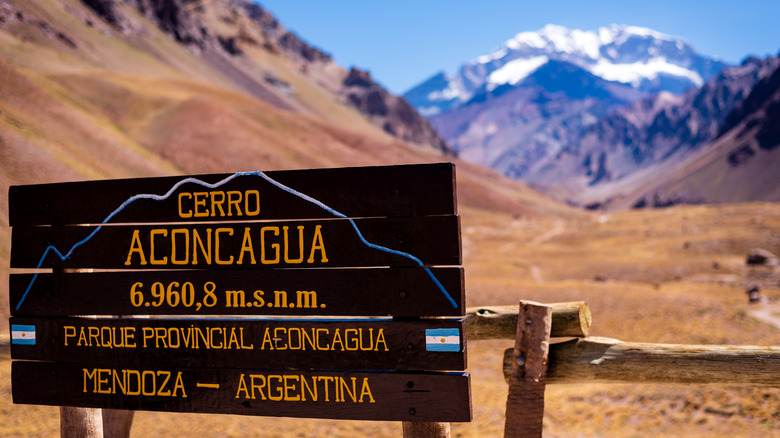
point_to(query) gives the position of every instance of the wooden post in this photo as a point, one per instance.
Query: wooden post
(117, 423)
(525, 402)
(80, 422)
(426, 430)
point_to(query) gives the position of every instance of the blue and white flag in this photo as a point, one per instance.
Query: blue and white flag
(23, 334)
(442, 339)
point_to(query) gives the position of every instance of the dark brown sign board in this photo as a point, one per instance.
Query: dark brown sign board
(379, 191)
(389, 396)
(364, 344)
(404, 292)
(351, 242)
(257, 245)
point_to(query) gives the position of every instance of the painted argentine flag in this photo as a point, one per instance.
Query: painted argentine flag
(442, 339)
(23, 334)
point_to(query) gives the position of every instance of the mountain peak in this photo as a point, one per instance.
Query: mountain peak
(643, 58)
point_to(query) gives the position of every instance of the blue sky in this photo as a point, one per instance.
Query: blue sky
(403, 42)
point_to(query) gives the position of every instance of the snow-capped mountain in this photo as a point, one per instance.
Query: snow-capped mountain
(642, 58)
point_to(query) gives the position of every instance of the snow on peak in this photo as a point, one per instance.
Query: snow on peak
(634, 55)
(559, 39)
(634, 73)
(625, 31)
(555, 39)
(515, 71)
(602, 51)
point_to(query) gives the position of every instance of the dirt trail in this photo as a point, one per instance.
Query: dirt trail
(768, 313)
(558, 228)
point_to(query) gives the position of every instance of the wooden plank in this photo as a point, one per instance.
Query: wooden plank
(525, 401)
(604, 360)
(388, 396)
(432, 240)
(242, 343)
(400, 292)
(500, 322)
(408, 190)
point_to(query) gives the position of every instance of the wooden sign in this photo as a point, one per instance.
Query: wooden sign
(369, 242)
(404, 292)
(289, 393)
(240, 343)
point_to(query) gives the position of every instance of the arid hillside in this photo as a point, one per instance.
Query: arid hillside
(82, 97)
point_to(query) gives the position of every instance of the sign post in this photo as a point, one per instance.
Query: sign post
(329, 280)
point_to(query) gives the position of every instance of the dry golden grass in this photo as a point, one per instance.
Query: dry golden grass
(643, 282)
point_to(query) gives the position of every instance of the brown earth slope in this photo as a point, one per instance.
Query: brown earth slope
(85, 98)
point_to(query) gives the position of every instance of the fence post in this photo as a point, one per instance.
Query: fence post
(80, 422)
(426, 430)
(117, 423)
(525, 401)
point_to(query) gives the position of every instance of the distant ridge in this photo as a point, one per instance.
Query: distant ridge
(591, 116)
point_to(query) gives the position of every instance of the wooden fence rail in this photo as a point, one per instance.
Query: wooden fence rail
(604, 360)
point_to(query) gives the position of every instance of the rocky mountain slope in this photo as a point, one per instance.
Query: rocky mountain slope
(221, 32)
(740, 164)
(648, 135)
(116, 89)
(588, 116)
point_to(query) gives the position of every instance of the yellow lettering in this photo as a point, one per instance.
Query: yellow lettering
(70, 332)
(326, 379)
(267, 340)
(137, 375)
(129, 336)
(102, 379)
(306, 387)
(198, 242)
(153, 233)
(148, 333)
(351, 340)
(246, 246)
(188, 214)
(287, 258)
(94, 335)
(234, 199)
(200, 201)
(179, 386)
(256, 206)
(380, 338)
(366, 390)
(135, 247)
(317, 243)
(92, 376)
(275, 246)
(167, 375)
(144, 387)
(278, 338)
(242, 388)
(259, 388)
(216, 238)
(290, 388)
(217, 204)
(337, 340)
(278, 396)
(186, 246)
